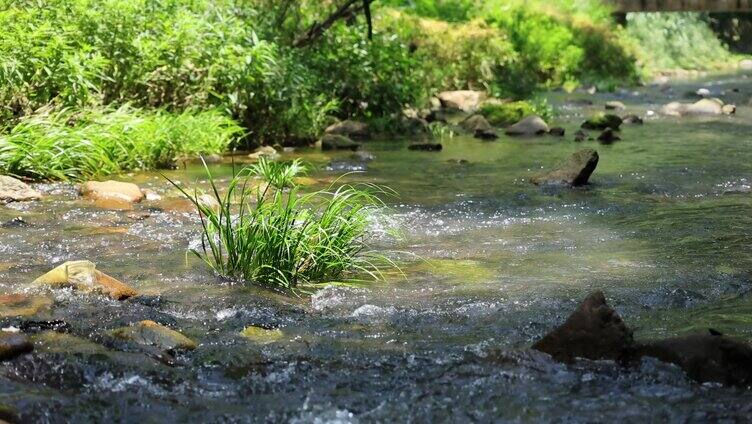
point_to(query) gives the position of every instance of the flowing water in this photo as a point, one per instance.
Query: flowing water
(491, 264)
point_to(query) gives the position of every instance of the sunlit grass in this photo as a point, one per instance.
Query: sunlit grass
(282, 238)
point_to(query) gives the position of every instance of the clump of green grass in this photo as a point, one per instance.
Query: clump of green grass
(67, 145)
(278, 237)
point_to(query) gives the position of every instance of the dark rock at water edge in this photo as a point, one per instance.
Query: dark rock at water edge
(575, 171)
(338, 142)
(487, 134)
(529, 126)
(557, 132)
(602, 121)
(426, 147)
(594, 331)
(608, 136)
(351, 129)
(580, 136)
(614, 105)
(13, 344)
(632, 119)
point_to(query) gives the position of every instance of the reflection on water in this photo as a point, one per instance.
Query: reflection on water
(490, 262)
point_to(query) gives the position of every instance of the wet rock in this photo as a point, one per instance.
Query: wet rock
(13, 345)
(83, 276)
(149, 333)
(436, 116)
(57, 342)
(601, 121)
(703, 92)
(351, 129)
(557, 132)
(338, 142)
(485, 134)
(262, 335)
(708, 357)
(426, 147)
(415, 126)
(464, 100)
(529, 126)
(22, 305)
(363, 156)
(13, 190)
(594, 331)
(632, 119)
(728, 109)
(580, 136)
(707, 107)
(346, 166)
(151, 195)
(575, 171)
(38, 326)
(608, 136)
(111, 190)
(17, 222)
(615, 105)
(474, 123)
(267, 152)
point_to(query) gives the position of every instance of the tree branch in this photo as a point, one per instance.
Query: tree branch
(348, 8)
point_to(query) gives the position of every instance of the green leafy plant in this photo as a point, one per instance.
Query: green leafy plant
(275, 236)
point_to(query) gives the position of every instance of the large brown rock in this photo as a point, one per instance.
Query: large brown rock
(351, 129)
(111, 190)
(83, 276)
(463, 100)
(13, 344)
(705, 357)
(594, 331)
(13, 190)
(575, 171)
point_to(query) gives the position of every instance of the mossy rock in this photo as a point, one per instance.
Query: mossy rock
(505, 114)
(149, 333)
(22, 305)
(262, 335)
(338, 142)
(601, 121)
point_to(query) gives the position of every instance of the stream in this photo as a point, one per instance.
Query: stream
(490, 262)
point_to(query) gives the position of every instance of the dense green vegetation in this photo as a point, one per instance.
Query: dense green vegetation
(275, 236)
(265, 64)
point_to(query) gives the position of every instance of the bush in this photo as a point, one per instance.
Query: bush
(284, 239)
(67, 145)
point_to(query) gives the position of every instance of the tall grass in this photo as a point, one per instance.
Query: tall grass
(73, 145)
(281, 238)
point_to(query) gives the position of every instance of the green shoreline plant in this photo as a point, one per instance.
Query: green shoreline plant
(273, 235)
(75, 145)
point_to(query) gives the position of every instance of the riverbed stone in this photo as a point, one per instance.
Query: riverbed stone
(557, 132)
(14, 190)
(594, 331)
(710, 357)
(83, 276)
(702, 107)
(150, 333)
(13, 344)
(601, 121)
(575, 171)
(474, 123)
(632, 119)
(338, 142)
(580, 135)
(608, 136)
(22, 305)
(267, 152)
(262, 335)
(426, 147)
(615, 105)
(351, 129)
(528, 126)
(467, 101)
(111, 190)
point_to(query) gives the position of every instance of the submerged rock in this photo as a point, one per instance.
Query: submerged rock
(601, 121)
(557, 132)
(464, 100)
(83, 276)
(267, 152)
(13, 190)
(575, 171)
(111, 190)
(580, 136)
(262, 335)
(149, 333)
(708, 357)
(608, 136)
(594, 331)
(350, 129)
(22, 305)
(338, 142)
(529, 126)
(13, 344)
(426, 147)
